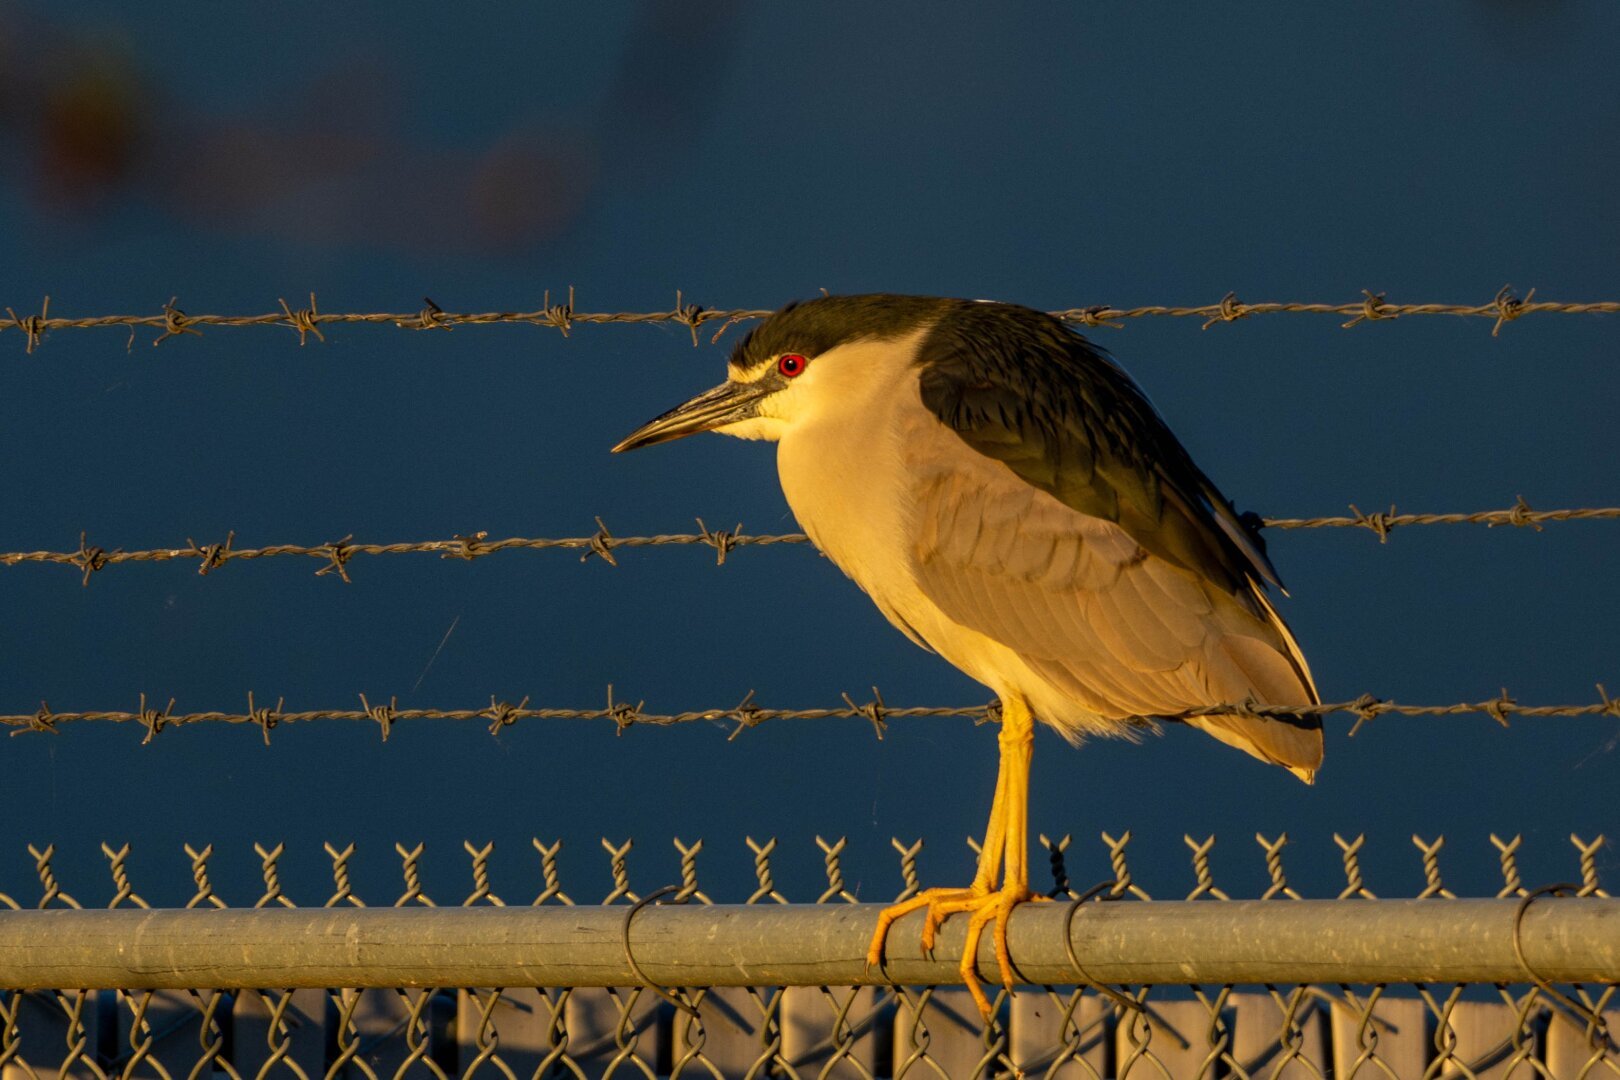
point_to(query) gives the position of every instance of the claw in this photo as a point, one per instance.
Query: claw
(996, 908)
(984, 907)
(928, 898)
(1006, 840)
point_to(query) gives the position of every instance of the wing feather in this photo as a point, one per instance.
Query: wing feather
(1118, 637)
(1082, 536)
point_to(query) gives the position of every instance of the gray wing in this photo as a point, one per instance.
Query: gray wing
(1095, 548)
(1117, 630)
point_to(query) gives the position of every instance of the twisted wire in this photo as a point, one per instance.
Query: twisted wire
(1380, 523)
(335, 555)
(746, 714)
(306, 321)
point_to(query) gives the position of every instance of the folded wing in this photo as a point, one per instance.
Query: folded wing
(1090, 544)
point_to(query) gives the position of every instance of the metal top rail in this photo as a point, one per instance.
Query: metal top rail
(1157, 943)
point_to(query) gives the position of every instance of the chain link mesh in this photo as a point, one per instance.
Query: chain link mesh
(802, 1032)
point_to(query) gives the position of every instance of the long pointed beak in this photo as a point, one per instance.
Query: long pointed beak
(725, 404)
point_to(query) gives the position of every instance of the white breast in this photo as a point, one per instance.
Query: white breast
(847, 494)
(849, 477)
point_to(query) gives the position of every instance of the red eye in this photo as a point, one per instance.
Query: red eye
(791, 365)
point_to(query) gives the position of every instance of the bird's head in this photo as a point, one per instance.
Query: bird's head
(804, 358)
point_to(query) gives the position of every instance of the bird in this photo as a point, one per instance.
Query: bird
(1011, 500)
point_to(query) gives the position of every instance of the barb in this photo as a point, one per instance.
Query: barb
(336, 556)
(500, 714)
(171, 322)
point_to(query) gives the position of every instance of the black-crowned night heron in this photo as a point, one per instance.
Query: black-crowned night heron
(1009, 498)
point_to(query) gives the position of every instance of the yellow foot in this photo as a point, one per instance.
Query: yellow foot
(986, 906)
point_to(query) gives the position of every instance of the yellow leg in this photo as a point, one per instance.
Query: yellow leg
(1006, 839)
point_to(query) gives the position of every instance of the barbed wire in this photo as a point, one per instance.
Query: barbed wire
(1519, 515)
(171, 321)
(336, 554)
(500, 714)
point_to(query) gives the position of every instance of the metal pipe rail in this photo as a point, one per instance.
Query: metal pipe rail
(1250, 941)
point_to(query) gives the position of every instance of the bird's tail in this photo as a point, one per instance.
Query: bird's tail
(1273, 677)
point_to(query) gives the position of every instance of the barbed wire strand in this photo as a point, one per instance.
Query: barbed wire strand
(336, 554)
(171, 321)
(500, 714)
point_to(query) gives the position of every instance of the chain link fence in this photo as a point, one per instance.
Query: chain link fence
(1522, 1026)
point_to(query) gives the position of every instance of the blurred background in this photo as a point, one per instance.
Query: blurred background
(749, 155)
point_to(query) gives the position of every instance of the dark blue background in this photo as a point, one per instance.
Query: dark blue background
(750, 154)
